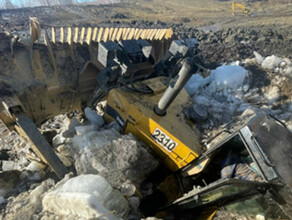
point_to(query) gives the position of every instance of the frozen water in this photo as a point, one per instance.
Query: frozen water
(93, 117)
(259, 58)
(230, 77)
(88, 196)
(115, 157)
(95, 139)
(81, 130)
(196, 82)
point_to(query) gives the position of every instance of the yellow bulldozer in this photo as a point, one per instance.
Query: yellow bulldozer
(235, 7)
(141, 74)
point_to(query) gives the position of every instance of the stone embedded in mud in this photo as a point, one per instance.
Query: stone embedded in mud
(86, 196)
(36, 166)
(115, 157)
(29, 203)
(8, 180)
(9, 165)
(71, 128)
(58, 140)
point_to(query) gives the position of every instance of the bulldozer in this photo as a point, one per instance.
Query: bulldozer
(235, 6)
(243, 160)
(141, 73)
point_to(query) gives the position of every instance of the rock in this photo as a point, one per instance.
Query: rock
(9, 165)
(58, 140)
(231, 38)
(36, 166)
(33, 175)
(260, 217)
(245, 88)
(3, 154)
(128, 189)
(28, 203)
(259, 58)
(134, 203)
(86, 196)
(283, 64)
(119, 16)
(65, 160)
(185, 20)
(8, 180)
(71, 129)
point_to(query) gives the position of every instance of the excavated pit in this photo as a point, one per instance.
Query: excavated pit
(133, 173)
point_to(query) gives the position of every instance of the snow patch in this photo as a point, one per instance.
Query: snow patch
(271, 62)
(259, 58)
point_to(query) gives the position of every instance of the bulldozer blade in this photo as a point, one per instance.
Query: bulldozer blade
(28, 130)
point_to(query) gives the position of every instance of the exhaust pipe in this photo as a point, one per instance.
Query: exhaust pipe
(175, 87)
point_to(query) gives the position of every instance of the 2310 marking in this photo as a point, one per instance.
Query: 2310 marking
(161, 138)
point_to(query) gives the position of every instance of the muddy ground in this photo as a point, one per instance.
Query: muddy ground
(268, 30)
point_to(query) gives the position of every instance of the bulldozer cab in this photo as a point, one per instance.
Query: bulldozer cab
(245, 159)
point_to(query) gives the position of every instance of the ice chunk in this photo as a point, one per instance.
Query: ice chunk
(259, 58)
(87, 196)
(202, 100)
(81, 130)
(271, 62)
(196, 82)
(95, 139)
(93, 117)
(231, 77)
(106, 152)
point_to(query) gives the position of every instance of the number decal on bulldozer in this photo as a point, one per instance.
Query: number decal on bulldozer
(161, 138)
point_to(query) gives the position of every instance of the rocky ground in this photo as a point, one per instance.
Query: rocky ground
(92, 150)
